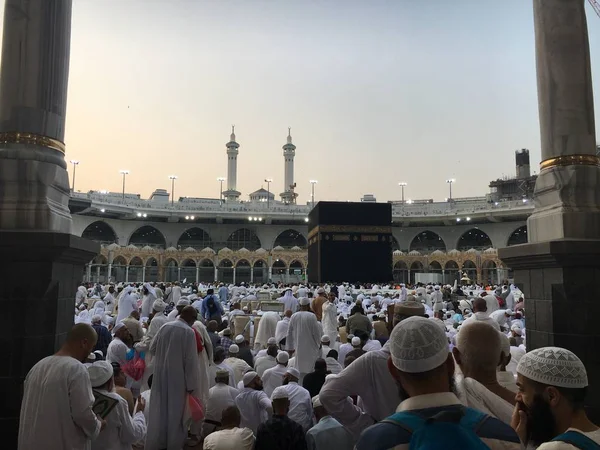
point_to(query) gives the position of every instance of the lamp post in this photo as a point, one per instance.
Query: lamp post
(402, 184)
(450, 181)
(268, 181)
(75, 164)
(124, 173)
(313, 182)
(221, 179)
(172, 178)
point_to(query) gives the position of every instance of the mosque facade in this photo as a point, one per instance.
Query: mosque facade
(262, 239)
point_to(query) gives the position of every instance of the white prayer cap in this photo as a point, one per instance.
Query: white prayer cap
(279, 393)
(517, 329)
(96, 318)
(509, 312)
(436, 287)
(293, 372)
(316, 402)
(239, 339)
(282, 357)
(320, 291)
(249, 377)
(304, 301)
(245, 308)
(355, 341)
(271, 341)
(325, 338)
(118, 327)
(553, 366)
(92, 357)
(183, 302)
(418, 345)
(100, 372)
(159, 305)
(233, 349)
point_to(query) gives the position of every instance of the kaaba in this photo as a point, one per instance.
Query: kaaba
(350, 242)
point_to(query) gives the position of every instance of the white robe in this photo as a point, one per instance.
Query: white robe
(253, 407)
(492, 303)
(266, 329)
(304, 336)
(282, 329)
(220, 396)
(263, 363)
(329, 321)
(56, 412)
(239, 366)
(301, 410)
(289, 302)
(475, 395)
(117, 351)
(204, 360)
(212, 374)
(147, 303)
(127, 304)
(175, 374)
(273, 378)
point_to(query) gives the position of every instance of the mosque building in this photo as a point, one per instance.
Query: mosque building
(264, 238)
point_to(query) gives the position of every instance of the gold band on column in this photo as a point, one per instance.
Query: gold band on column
(570, 160)
(16, 137)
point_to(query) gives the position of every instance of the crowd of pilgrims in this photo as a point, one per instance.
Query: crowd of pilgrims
(170, 366)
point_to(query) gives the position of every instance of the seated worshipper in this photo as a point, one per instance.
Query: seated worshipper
(345, 349)
(181, 303)
(225, 339)
(56, 410)
(357, 345)
(270, 342)
(211, 307)
(480, 314)
(266, 362)
(267, 327)
(120, 381)
(253, 403)
(239, 366)
(282, 329)
(358, 321)
(328, 433)
(280, 432)
(219, 355)
(211, 327)
(304, 338)
(289, 301)
(325, 345)
(423, 369)
(313, 382)
(220, 396)
(515, 331)
(230, 436)
(477, 352)
(273, 377)
(550, 410)
(370, 344)
(380, 326)
(121, 430)
(506, 379)
(104, 336)
(134, 326)
(333, 366)
(244, 353)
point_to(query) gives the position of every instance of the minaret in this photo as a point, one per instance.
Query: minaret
(231, 194)
(289, 151)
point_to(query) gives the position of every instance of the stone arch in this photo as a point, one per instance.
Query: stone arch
(400, 272)
(260, 271)
(243, 238)
(100, 259)
(415, 267)
(427, 241)
(489, 274)
(451, 272)
(171, 270)
(206, 270)
(226, 270)
(243, 271)
(136, 270)
(147, 235)
(152, 270)
(279, 267)
(470, 269)
(101, 232)
(519, 236)
(188, 270)
(117, 271)
(194, 237)
(474, 238)
(435, 267)
(290, 238)
(296, 270)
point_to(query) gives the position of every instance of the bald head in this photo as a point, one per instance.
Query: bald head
(189, 315)
(479, 305)
(230, 417)
(81, 332)
(80, 342)
(288, 313)
(478, 346)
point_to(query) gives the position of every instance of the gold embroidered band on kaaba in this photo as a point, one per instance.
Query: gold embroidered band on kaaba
(16, 137)
(349, 229)
(570, 160)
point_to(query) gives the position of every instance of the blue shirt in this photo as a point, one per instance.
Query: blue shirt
(223, 294)
(204, 311)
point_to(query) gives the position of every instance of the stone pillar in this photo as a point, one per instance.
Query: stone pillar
(98, 273)
(178, 273)
(557, 270)
(197, 274)
(233, 274)
(251, 274)
(127, 273)
(143, 274)
(89, 272)
(216, 273)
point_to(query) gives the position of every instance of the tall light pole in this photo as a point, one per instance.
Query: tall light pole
(221, 179)
(124, 173)
(402, 184)
(268, 181)
(172, 178)
(313, 182)
(75, 164)
(450, 181)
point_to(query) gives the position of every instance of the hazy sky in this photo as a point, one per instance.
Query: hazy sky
(376, 92)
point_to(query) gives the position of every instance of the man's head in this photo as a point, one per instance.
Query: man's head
(282, 358)
(288, 313)
(101, 375)
(419, 358)
(118, 375)
(333, 354)
(320, 365)
(280, 401)
(407, 309)
(189, 314)
(325, 340)
(111, 289)
(552, 385)
(356, 342)
(272, 350)
(96, 319)
(158, 306)
(231, 418)
(478, 349)
(80, 341)
(240, 340)
(292, 375)
(222, 376)
(219, 355)
(233, 351)
(479, 305)
(318, 408)
(212, 326)
(135, 315)
(210, 292)
(304, 303)
(121, 331)
(252, 380)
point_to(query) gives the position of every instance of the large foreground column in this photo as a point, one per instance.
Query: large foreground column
(558, 270)
(41, 261)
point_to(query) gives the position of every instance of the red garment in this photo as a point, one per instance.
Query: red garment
(199, 343)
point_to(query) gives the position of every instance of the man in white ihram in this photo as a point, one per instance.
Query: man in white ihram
(176, 374)
(304, 338)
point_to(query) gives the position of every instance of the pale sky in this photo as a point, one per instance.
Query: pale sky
(376, 92)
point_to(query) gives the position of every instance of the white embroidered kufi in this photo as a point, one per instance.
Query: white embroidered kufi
(554, 366)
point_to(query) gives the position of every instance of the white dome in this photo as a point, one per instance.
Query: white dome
(244, 250)
(208, 250)
(490, 251)
(261, 251)
(113, 246)
(171, 249)
(190, 249)
(296, 248)
(131, 246)
(147, 248)
(398, 252)
(471, 250)
(437, 252)
(225, 250)
(414, 253)
(453, 252)
(278, 248)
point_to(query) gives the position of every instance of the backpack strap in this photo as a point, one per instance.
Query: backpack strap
(576, 439)
(405, 420)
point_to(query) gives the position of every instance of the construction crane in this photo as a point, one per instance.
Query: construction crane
(596, 6)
